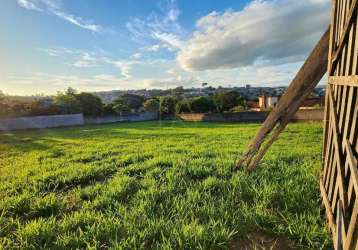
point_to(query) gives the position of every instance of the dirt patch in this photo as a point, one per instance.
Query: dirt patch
(260, 241)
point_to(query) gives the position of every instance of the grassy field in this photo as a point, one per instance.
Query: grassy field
(158, 185)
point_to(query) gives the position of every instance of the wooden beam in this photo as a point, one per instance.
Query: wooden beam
(351, 81)
(352, 161)
(344, 36)
(301, 86)
(340, 235)
(329, 213)
(337, 150)
(352, 227)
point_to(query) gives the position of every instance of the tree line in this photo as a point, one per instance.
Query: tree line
(72, 102)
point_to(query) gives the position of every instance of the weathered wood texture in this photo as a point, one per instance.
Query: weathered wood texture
(302, 85)
(339, 180)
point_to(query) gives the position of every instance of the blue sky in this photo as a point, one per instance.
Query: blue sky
(49, 45)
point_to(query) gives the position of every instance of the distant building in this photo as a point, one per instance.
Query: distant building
(253, 105)
(266, 102)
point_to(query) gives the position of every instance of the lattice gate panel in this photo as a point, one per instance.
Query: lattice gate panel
(339, 182)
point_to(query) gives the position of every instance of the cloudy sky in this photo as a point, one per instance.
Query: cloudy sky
(91, 45)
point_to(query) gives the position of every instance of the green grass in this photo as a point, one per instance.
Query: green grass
(157, 185)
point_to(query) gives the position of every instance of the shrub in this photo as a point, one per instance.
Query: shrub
(182, 107)
(201, 104)
(41, 108)
(238, 109)
(151, 105)
(167, 105)
(120, 107)
(226, 100)
(108, 109)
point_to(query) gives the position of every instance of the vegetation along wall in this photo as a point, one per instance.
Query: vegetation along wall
(147, 116)
(301, 115)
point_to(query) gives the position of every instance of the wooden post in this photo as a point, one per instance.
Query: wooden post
(302, 85)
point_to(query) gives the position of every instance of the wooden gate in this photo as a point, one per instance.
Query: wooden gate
(339, 181)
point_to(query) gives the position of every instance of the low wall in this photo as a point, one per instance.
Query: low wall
(51, 121)
(55, 121)
(301, 115)
(147, 116)
(225, 117)
(309, 115)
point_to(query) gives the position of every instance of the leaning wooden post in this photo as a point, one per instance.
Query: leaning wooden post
(302, 85)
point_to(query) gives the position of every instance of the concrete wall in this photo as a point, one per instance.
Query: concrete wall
(147, 116)
(54, 121)
(51, 121)
(301, 115)
(309, 115)
(226, 117)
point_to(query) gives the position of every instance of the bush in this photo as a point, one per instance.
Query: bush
(167, 105)
(120, 107)
(9, 108)
(40, 108)
(238, 109)
(108, 109)
(182, 107)
(226, 100)
(201, 105)
(151, 105)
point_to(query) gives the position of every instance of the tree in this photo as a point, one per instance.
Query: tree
(71, 91)
(133, 102)
(182, 107)
(226, 100)
(120, 107)
(90, 104)
(67, 103)
(201, 104)
(39, 107)
(167, 105)
(151, 105)
(108, 109)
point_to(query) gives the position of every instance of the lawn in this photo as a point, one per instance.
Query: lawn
(158, 185)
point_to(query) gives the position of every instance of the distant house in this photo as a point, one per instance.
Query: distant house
(266, 102)
(253, 105)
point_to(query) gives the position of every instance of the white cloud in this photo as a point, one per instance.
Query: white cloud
(172, 75)
(55, 7)
(171, 41)
(173, 14)
(273, 32)
(125, 67)
(27, 4)
(153, 48)
(136, 56)
(78, 21)
(161, 26)
(81, 58)
(86, 61)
